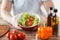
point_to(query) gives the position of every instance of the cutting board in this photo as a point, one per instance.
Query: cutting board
(4, 29)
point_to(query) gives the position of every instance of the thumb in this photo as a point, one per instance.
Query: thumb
(15, 23)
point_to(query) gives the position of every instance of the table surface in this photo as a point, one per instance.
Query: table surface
(30, 35)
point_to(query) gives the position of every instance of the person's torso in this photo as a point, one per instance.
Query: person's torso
(56, 3)
(20, 6)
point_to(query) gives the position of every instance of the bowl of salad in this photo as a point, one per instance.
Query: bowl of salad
(28, 21)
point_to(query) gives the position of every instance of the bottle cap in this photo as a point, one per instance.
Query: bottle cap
(50, 14)
(55, 10)
(51, 8)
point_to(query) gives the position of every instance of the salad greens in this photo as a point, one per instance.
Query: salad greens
(24, 18)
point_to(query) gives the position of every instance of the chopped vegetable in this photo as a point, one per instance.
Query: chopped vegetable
(33, 20)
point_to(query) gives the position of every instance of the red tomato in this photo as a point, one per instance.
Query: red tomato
(44, 32)
(15, 32)
(31, 18)
(29, 23)
(21, 35)
(8, 34)
(13, 37)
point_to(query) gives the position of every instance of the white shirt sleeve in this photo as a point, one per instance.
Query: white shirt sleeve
(10, 0)
(44, 0)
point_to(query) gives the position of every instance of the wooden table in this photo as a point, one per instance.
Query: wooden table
(30, 35)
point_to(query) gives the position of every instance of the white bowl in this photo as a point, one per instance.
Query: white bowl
(19, 15)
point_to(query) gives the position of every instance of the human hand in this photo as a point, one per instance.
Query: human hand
(15, 23)
(43, 19)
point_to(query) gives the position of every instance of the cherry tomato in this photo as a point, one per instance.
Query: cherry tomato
(8, 34)
(21, 35)
(44, 32)
(29, 23)
(31, 18)
(13, 37)
(15, 32)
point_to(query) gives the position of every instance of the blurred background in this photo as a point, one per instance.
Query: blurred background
(56, 3)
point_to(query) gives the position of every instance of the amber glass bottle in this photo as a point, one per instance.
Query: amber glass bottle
(49, 18)
(55, 22)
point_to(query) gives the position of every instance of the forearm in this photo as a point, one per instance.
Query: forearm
(5, 10)
(5, 15)
(6, 7)
(48, 4)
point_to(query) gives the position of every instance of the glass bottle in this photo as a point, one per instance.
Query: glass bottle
(49, 17)
(55, 22)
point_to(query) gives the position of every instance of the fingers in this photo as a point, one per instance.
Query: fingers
(43, 19)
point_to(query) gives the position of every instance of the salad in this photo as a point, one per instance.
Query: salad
(28, 20)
